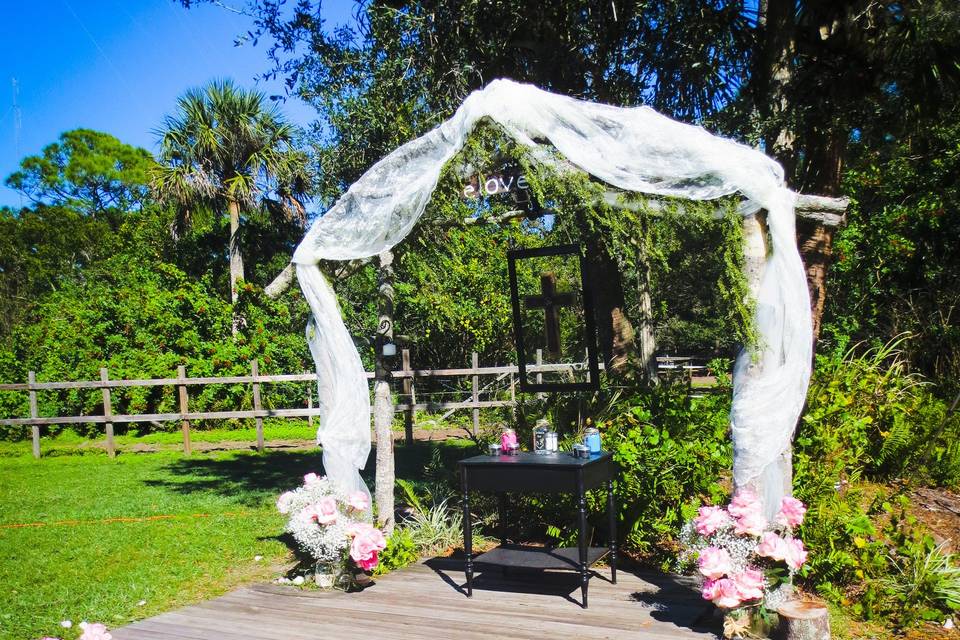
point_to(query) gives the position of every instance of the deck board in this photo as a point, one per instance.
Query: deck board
(426, 602)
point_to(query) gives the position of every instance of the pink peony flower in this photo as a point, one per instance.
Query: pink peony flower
(751, 523)
(310, 478)
(94, 631)
(745, 502)
(750, 583)
(367, 543)
(283, 502)
(710, 519)
(325, 510)
(794, 554)
(358, 500)
(714, 562)
(710, 590)
(791, 512)
(772, 546)
(727, 594)
(370, 563)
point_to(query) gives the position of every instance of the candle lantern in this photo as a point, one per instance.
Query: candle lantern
(591, 438)
(540, 435)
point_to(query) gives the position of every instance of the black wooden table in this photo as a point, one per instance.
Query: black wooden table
(532, 473)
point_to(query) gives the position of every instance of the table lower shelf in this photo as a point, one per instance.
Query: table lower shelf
(539, 557)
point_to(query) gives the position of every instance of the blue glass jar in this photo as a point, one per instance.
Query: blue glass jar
(591, 438)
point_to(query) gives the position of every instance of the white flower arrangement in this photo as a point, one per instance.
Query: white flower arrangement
(330, 525)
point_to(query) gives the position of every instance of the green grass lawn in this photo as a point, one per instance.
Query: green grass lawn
(84, 564)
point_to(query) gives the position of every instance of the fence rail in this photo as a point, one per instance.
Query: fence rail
(407, 376)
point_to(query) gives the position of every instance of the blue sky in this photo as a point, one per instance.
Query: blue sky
(118, 66)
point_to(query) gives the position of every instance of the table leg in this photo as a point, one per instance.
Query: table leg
(584, 567)
(467, 534)
(502, 525)
(612, 515)
(502, 516)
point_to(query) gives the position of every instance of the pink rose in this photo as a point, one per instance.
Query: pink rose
(310, 478)
(710, 590)
(771, 546)
(714, 562)
(750, 583)
(325, 510)
(358, 500)
(751, 523)
(727, 594)
(745, 502)
(791, 512)
(710, 519)
(370, 563)
(367, 543)
(795, 554)
(94, 631)
(283, 502)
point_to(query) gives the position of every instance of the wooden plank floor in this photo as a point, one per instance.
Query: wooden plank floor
(426, 601)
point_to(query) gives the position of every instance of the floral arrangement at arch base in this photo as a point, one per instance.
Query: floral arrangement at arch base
(747, 562)
(333, 528)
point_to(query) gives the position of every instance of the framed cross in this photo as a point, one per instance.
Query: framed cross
(551, 302)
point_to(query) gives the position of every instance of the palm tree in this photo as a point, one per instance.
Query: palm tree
(226, 151)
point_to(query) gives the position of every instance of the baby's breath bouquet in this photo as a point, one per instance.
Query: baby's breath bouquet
(746, 561)
(332, 526)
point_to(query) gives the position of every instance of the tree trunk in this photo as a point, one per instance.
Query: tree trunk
(383, 407)
(821, 147)
(648, 339)
(614, 330)
(822, 176)
(236, 259)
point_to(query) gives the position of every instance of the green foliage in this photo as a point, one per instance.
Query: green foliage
(673, 451)
(866, 416)
(898, 262)
(868, 420)
(142, 319)
(401, 550)
(877, 560)
(86, 171)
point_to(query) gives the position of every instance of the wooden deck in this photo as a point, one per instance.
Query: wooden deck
(425, 601)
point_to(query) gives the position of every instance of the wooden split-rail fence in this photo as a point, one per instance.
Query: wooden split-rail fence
(507, 375)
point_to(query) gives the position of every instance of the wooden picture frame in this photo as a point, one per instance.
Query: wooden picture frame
(590, 331)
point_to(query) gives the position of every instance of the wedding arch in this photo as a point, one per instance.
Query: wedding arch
(632, 149)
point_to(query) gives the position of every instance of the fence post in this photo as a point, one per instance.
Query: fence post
(540, 373)
(476, 394)
(310, 404)
(408, 389)
(255, 371)
(34, 428)
(184, 422)
(107, 411)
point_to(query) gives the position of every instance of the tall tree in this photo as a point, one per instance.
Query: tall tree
(409, 64)
(226, 151)
(88, 171)
(831, 76)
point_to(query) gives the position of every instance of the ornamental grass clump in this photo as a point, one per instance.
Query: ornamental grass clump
(332, 526)
(747, 562)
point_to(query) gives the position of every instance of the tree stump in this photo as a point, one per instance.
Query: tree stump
(802, 620)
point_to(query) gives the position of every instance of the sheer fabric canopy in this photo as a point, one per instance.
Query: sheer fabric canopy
(633, 149)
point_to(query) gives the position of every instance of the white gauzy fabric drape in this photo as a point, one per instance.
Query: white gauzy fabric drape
(634, 149)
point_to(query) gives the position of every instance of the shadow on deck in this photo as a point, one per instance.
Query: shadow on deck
(427, 601)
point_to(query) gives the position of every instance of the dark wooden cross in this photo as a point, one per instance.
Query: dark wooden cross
(550, 301)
